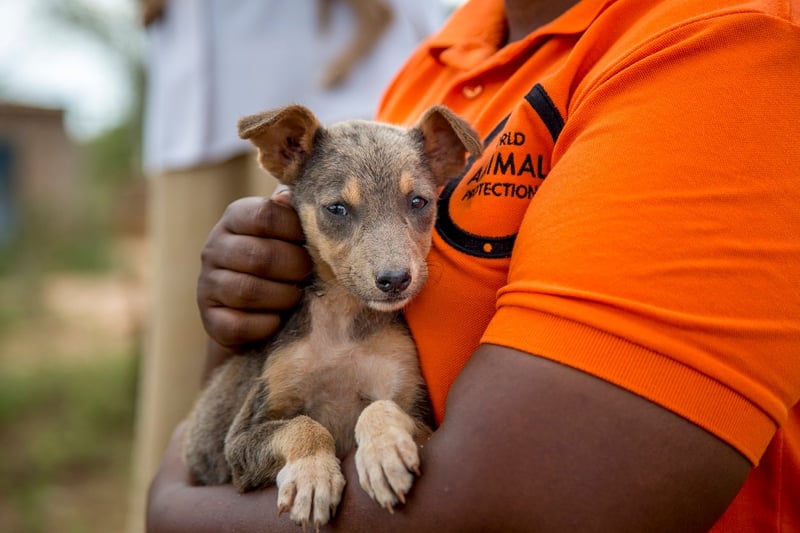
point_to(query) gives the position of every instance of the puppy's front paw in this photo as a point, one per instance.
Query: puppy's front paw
(310, 489)
(387, 454)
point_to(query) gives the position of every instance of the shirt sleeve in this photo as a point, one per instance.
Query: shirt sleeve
(662, 253)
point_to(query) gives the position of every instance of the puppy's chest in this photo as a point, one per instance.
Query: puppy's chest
(332, 373)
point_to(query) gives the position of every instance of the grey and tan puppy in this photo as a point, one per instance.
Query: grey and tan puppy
(343, 371)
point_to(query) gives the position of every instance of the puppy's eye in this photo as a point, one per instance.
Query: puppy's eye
(418, 202)
(337, 210)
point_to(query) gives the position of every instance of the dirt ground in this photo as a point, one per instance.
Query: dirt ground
(82, 318)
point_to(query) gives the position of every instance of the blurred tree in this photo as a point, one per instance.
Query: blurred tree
(110, 160)
(114, 155)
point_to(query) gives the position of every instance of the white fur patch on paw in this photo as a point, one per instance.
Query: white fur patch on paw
(310, 489)
(387, 456)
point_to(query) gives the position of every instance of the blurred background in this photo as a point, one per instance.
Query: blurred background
(73, 260)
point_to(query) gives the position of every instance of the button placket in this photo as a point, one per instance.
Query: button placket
(472, 91)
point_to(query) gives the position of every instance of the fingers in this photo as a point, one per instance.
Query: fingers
(252, 264)
(239, 308)
(246, 292)
(268, 258)
(263, 217)
(282, 195)
(233, 328)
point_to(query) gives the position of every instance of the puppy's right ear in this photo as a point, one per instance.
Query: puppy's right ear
(447, 140)
(284, 138)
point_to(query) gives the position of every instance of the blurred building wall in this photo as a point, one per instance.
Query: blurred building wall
(39, 168)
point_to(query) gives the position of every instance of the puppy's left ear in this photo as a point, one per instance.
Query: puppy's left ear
(284, 138)
(447, 139)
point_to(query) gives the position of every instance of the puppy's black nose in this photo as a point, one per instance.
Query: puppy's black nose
(393, 281)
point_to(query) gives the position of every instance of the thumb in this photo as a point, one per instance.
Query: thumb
(282, 195)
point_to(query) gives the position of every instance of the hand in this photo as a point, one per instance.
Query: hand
(252, 264)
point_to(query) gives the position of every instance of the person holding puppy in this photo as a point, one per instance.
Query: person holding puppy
(610, 330)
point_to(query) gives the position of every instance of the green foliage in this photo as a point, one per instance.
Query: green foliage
(112, 160)
(66, 427)
(59, 425)
(82, 246)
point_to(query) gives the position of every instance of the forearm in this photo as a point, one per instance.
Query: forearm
(527, 444)
(577, 454)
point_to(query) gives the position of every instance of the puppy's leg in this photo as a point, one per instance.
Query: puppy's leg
(298, 454)
(211, 418)
(387, 454)
(311, 481)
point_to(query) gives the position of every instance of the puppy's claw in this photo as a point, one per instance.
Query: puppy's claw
(387, 456)
(310, 489)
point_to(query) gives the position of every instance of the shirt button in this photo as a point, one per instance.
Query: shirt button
(471, 91)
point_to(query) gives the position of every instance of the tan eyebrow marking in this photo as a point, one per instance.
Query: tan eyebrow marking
(406, 183)
(351, 193)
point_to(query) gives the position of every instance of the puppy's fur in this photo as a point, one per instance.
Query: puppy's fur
(343, 371)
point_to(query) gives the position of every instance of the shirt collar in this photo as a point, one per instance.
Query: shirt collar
(477, 29)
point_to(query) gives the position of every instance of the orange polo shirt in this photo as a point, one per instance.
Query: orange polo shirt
(636, 214)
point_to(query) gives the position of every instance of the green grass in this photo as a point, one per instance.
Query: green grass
(59, 426)
(83, 247)
(66, 423)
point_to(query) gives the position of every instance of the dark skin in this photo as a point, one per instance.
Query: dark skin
(524, 16)
(252, 264)
(528, 444)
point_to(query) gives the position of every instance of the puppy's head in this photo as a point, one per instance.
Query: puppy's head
(365, 192)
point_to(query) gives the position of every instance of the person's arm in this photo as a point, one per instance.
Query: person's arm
(527, 444)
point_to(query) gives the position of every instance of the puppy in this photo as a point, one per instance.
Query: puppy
(343, 371)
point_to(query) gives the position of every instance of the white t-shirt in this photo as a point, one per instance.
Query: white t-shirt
(213, 61)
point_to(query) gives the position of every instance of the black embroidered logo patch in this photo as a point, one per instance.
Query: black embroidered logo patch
(479, 212)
